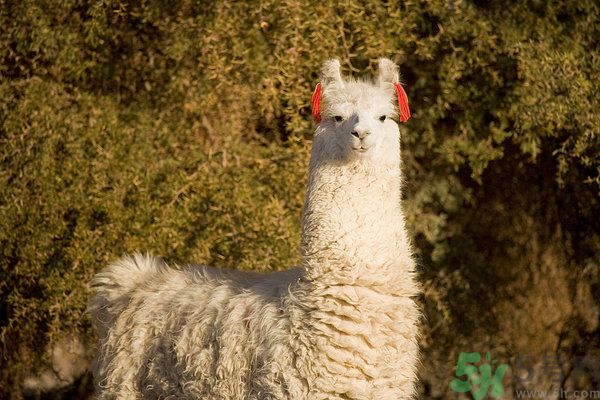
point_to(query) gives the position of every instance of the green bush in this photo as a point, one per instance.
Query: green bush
(182, 128)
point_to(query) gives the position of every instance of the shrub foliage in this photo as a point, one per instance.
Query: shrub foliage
(183, 127)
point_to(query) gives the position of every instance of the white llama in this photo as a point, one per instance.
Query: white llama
(343, 325)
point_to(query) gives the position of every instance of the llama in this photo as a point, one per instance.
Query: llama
(342, 325)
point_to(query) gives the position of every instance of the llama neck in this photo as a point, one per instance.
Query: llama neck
(352, 224)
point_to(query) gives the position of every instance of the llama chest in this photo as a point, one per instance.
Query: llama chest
(363, 343)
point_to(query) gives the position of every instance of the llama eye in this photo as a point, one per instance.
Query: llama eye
(382, 118)
(338, 118)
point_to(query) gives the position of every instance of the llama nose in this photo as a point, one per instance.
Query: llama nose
(360, 133)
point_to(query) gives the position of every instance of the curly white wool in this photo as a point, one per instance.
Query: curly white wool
(343, 325)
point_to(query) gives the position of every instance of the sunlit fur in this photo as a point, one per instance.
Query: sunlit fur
(343, 325)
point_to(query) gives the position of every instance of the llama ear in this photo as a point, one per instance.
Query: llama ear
(330, 73)
(388, 72)
(316, 103)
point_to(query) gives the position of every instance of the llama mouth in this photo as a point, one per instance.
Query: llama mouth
(361, 149)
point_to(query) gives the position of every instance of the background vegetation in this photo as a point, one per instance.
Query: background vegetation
(183, 128)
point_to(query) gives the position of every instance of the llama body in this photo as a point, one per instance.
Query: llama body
(342, 325)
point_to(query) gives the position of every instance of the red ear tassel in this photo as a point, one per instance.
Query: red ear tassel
(402, 103)
(316, 103)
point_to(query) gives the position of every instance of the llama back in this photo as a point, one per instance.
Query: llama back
(112, 288)
(192, 332)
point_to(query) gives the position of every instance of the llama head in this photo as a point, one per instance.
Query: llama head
(357, 117)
